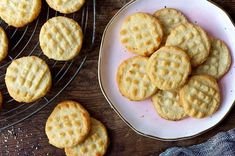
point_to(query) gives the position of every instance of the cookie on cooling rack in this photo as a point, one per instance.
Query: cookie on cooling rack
(3, 44)
(168, 68)
(218, 62)
(141, 33)
(66, 6)
(95, 144)
(133, 81)
(193, 40)
(28, 79)
(61, 38)
(19, 13)
(201, 96)
(168, 105)
(68, 125)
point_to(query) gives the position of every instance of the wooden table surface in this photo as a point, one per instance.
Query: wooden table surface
(28, 138)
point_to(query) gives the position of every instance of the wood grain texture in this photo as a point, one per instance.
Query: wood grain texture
(28, 138)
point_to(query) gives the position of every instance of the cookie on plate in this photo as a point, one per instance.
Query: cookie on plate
(66, 6)
(141, 33)
(133, 81)
(170, 18)
(168, 106)
(218, 62)
(168, 68)
(3, 44)
(61, 38)
(28, 79)
(95, 144)
(192, 39)
(201, 96)
(19, 13)
(68, 124)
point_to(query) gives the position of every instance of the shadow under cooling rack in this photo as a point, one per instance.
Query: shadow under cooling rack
(24, 42)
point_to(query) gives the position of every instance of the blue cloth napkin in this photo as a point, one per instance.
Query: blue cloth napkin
(223, 144)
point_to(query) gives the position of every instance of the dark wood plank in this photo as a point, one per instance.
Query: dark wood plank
(28, 138)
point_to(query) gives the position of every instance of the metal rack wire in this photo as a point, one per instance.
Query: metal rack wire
(24, 42)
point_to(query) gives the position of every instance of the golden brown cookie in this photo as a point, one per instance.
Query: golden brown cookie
(141, 33)
(193, 40)
(167, 105)
(201, 96)
(1, 100)
(218, 62)
(19, 13)
(168, 68)
(3, 44)
(66, 6)
(61, 38)
(68, 124)
(133, 81)
(95, 144)
(28, 79)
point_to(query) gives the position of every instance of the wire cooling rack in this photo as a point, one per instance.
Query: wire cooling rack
(24, 42)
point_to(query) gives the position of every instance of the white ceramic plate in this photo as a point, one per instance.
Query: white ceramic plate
(141, 116)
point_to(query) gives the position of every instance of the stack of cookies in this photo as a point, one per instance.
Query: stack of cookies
(178, 64)
(70, 127)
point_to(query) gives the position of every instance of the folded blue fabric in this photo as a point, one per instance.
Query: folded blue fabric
(223, 144)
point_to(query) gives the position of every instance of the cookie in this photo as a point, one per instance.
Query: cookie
(66, 6)
(192, 39)
(95, 144)
(61, 38)
(167, 105)
(141, 33)
(133, 81)
(3, 44)
(201, 96)
(170, 18)
(218, 62)
(168, 68)
(68, 125)
(1, 100)
(28, 79)
(19, 13)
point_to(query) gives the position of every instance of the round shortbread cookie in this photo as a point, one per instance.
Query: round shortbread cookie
(61, 38)
(201, 96)
(66, 6)
(192, 39)
(28, 79)
(170, 18)
(19, 13)
(168, 68)
(133, 81)
(218, 62)
(141, 33)
(3, 44)
(95, 144)
(68, 124)
(167, 105)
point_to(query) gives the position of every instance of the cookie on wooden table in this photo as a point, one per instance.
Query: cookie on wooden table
(95, 144)
(133, 81)
(28, 79)
(192, 39)
(66, 6)
(201, 96)
(3, 44)
(168, 68)
(141, 33)
(19, 13)
(68, 124)
(218, 62)
(169, 18)
(168, 106)
(61, 38)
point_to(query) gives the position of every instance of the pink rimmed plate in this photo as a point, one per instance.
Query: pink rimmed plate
(141, 116)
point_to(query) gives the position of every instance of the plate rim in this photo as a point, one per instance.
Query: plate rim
(115, 109)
